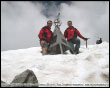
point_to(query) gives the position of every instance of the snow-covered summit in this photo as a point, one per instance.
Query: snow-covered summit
(90, 66)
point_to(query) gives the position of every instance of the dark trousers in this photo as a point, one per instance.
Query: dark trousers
(76, 41)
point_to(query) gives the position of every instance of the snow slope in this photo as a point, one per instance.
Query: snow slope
(90, 66)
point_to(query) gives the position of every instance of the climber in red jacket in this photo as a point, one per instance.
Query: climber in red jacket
(71, 34)
(45, 36)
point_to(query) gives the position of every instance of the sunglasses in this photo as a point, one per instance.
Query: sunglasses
(49, 23)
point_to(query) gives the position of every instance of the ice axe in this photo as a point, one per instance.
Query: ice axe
(86, 42)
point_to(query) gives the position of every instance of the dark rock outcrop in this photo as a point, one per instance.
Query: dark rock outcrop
(2, 81)
(25, 79)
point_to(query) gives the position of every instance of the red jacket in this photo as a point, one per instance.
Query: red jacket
(71, 32)
(45, 34)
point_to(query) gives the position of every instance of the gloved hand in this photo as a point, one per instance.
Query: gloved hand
(85, 39)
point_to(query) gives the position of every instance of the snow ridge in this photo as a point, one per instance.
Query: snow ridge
(90, 66)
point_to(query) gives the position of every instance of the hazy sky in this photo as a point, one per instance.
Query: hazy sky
(21, 21)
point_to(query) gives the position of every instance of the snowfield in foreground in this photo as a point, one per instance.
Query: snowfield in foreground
(90, 66)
